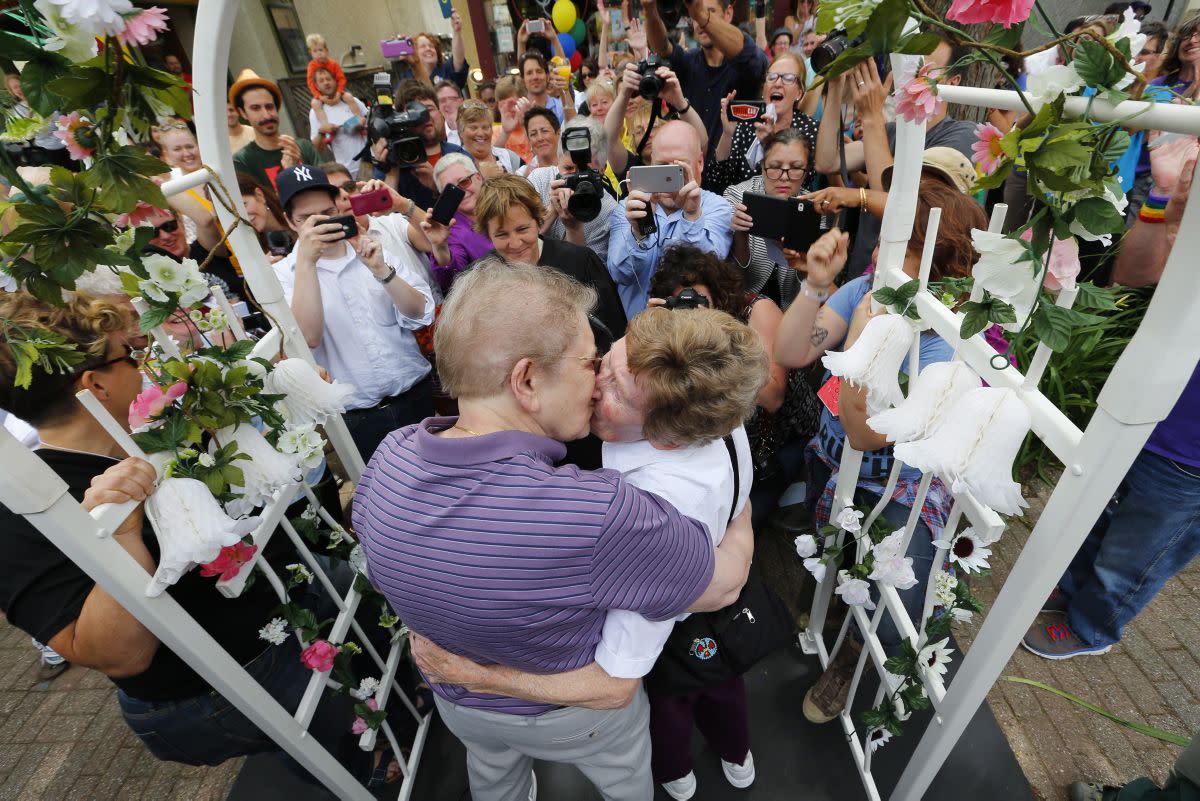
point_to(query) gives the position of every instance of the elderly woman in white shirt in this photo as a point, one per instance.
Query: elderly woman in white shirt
(475, 131)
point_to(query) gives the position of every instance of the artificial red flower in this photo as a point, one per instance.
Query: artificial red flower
(229, 562)
(319, 656)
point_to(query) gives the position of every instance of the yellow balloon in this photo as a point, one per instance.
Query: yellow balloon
(564, 15)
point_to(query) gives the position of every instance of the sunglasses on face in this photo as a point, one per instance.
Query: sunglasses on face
(168, 227)
(128, 356)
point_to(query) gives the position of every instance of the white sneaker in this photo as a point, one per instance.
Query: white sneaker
(740, 776)
(533, 787)
(682, 789)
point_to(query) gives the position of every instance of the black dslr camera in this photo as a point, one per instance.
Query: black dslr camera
(586, 184)
(399, 128)
(650, 86)
(834, 45)
(686, 298)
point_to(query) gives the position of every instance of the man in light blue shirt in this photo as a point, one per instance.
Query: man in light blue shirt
(691, 216)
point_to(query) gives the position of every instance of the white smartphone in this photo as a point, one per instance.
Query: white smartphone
(536, 26)
(662, 178)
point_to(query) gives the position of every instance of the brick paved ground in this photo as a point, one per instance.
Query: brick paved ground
(66, 740)
(1151, 677)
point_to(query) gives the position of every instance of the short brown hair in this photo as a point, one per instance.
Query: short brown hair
(501, 193)
(435, 41)
(497, 314)
(82, 321)
(509, 86)
(954, 255)
(699, 371)
(473, 111)
(687, 265)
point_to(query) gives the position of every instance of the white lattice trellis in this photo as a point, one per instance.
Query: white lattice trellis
(1142, 389)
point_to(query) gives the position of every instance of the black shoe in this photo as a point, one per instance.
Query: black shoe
(1092, 791)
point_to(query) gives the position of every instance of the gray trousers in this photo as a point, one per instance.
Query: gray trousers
(611, 747)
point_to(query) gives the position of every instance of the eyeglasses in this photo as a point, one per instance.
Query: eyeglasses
(127, 356)
(465, 183)
(776, 173)
(168, 227)
(786, 77)
(595, 361)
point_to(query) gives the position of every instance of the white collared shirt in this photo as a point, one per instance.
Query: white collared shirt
(391, 232)
(366, 342)
(697, 481)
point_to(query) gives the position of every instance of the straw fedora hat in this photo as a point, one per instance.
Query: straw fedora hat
(249, 79)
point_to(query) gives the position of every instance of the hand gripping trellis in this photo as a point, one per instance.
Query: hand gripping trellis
(30, 488)
(1142, 389)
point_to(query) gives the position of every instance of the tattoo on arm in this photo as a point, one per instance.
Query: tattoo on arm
(818, 336)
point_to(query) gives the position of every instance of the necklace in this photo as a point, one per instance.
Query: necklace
(469, 431)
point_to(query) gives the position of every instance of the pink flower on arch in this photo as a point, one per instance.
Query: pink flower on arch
(1004, 12)
(143, 28)
(319, 656)
(918, 100)
(359, 726)
(1062, 263)
(153, 401)
(229, 561)
(142, 213)
(986, 152)
(77, 134)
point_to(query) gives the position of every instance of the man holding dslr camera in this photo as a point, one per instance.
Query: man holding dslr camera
(357, 306)
(580, 199)
(400, 150)
(726, 61)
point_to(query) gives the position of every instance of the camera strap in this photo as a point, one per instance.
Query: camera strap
(655, 110)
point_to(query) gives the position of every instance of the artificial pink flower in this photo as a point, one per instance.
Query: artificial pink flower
(359, 726)
(143, 27)
(1062, 264)
(142, 213)
(229, 561)
(1004, 12)
(319, 656)
(78, 134)
(986, 152)
(152, 401)
(918, 99)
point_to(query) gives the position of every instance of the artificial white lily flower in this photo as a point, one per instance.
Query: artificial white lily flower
(854, 592)
(307, 398)
(806, 545)
(1045, 86)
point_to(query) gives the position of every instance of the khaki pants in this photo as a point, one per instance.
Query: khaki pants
(611, 747)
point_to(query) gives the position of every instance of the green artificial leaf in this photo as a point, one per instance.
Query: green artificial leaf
(886, 26)
(22, 129)
(120, 179)
(1060, 155)
(1117, 145)
(918, 44)
(18, 48)
(155, 316)
(885, 295)
(1008, 38)
(1054, 324)
(975, 319)
(937, 627)
(877, 718)
(1098, 216)
(362, 584)
(1000, 312)
(37, 78)
(1095, 64)
(914, 697)
(82, 87)
(994, 179)
(1095, 298)
(908, 290)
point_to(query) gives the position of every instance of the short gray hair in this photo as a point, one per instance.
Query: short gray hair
(449, 160)
(593, 126)
(497, 314)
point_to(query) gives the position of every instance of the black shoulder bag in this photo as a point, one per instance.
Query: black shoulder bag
(709, 648)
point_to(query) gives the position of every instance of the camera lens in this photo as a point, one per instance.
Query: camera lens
(650, 86)
(584, 203)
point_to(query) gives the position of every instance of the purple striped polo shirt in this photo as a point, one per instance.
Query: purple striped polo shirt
(484, 546)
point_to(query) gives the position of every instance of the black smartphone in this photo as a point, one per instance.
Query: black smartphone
(349, 225)
(647, 224)
(795, 224)
(279, 243)
(447, 204)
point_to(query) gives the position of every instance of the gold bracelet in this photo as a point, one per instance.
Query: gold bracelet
(862, 198)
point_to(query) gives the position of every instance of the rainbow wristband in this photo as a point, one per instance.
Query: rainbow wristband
(1154, 209)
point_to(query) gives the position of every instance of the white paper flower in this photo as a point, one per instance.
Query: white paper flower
(1131, 29)
(806, 545)
(850, 519)
(100, 16)
(265, 471)
(967, 550)
(274, 632)
(305, 443)
(943, 589)
(1005, 267)
(300, 573)
(877, 738)
(874, 360)
(72, 41)
(854, 592)
(367, 687)
(191, 528)
(936, 656)
(930, 396)
(309, 513)
(975, 449)
(1046, 85)
(816, 567)
(206, 460)
(307, 399)
(891, 565)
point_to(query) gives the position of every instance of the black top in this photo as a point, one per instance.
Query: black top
(222, 268)
(720, 175)
(42, 591)
(706, 86)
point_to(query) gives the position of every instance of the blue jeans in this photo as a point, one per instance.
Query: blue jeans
(920, 549)
(1149, 531)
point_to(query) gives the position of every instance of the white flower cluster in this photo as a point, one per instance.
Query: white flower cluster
(305, 443)
(300, 573)
(214, 320)
(891, 565)
(168, 276)
(943, 590)
(275, 632)
(367, 688)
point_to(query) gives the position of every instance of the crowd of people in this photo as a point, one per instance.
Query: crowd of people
(584, 376)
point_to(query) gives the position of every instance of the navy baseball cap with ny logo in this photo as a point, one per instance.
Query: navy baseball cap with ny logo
(294, 180)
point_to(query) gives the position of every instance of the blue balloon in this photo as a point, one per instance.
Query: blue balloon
(568, 44)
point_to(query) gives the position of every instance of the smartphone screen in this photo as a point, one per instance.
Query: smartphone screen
(447, 204)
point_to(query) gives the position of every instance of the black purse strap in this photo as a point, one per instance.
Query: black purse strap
(737, 484)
